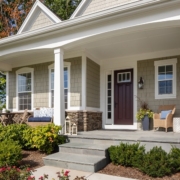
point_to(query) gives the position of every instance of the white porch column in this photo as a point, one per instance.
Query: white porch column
(59, 110)
(7, 90)
(84, 69)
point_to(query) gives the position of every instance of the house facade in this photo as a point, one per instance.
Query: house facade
(88, 67)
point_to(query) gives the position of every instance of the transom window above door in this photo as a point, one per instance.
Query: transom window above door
(165, 79)
(124, 77)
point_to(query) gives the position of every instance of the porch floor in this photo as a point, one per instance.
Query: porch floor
(127, 135)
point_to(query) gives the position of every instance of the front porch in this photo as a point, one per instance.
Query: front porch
(80, 71)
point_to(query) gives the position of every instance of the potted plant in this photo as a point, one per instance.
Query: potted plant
(144, 114)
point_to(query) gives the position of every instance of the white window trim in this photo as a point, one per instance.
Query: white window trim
(21, 71)
(50, 67)
(109, 121)
(172, 62)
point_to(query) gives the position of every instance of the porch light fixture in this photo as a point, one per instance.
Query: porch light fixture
(141, 83)
(67, 126)
(74, 129)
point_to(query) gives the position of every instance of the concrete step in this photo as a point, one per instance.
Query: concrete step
(148, 142)
(80, 162)
(82, 148)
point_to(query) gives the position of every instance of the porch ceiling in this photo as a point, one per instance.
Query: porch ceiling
(130, 44)
(107, 46)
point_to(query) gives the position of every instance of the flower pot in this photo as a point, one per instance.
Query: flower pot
(145, 123)
(139, 126)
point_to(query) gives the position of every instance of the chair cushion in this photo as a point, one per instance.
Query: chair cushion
(36, 113)
(165, 113)
(39, 119)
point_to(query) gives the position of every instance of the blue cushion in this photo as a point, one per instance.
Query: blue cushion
(165, 113)
(39, 119)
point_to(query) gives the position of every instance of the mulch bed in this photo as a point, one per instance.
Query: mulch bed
(133, 173)
(32, 158)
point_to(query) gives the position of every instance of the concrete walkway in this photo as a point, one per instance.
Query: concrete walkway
(51, 171)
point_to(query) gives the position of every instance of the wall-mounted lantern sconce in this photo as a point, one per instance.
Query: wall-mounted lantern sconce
(141, 83)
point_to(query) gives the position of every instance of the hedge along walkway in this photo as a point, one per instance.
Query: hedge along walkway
(129, 172)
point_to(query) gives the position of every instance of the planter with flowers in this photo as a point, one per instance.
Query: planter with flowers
(144, 114)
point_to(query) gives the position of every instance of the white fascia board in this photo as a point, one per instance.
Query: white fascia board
(81, 8)
(40, 5)
(81, 21)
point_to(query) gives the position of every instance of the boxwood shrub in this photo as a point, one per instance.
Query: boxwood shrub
(155, 163)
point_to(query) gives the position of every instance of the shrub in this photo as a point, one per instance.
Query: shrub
(155, 163)
(127, 154)
(174, 159)
(10, 153)
(14, 173)
(14, 132)
(44, 138)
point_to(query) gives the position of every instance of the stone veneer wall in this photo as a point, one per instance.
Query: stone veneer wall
(41, 84)
(93, 84)
(85, 120)
(99, 5)
(146, 69)
(41, 21)
(76, 81)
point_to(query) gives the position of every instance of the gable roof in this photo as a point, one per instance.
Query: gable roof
(39, 13)
(92, 6)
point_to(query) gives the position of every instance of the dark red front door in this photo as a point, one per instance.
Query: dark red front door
(123, 97)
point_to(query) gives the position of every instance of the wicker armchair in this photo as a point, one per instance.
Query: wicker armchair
(165, 123)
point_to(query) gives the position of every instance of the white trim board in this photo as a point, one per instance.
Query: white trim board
(37, 7)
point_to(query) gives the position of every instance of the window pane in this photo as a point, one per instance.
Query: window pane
(169, 75)
(128, 76)
(109, 100)
(161, 69)
(109, 107)
(161, 76)
(109, 85)
(109, 115)
(109, 92)
(65, 84)
(124, 77)
(24, 101)
(169, 68)
(109, 77)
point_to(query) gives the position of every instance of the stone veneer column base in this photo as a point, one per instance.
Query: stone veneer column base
(86, 120)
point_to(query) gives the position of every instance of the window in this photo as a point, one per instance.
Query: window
(66, 85)
(124, 77)
(165, 79)
(24, 88)
(109, 95)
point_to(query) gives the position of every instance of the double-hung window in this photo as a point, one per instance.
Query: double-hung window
(24, 88)
(165, 79)
(66, 85)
